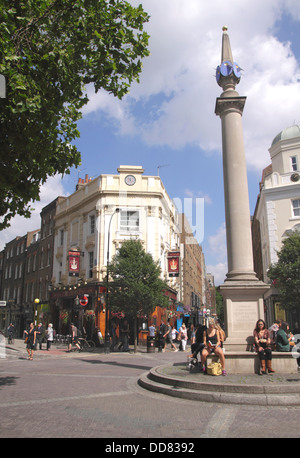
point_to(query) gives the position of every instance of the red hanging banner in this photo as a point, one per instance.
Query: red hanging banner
(74, 263)
(173, 263)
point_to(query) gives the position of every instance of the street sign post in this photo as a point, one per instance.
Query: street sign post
(84, 300)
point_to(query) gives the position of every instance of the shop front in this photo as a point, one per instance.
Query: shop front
(85, 306)
(82, 305)
(185, 316)
(20, 316)
(159, 315)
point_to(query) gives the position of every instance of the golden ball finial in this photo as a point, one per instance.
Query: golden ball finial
(225, 28)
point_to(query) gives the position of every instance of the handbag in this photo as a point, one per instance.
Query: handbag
(26, 339)
(214, 368)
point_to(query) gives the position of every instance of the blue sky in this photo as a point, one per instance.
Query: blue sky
(168, 119)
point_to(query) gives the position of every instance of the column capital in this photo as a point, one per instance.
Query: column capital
(226, 104)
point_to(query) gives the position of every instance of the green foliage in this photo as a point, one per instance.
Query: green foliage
(49, 51)
(286, 272)
(136, 287)
(219, 304)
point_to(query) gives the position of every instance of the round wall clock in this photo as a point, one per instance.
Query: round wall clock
(295, 177)
(130, 180)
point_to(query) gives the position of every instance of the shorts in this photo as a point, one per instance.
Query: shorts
(69, 339)
(210, 349)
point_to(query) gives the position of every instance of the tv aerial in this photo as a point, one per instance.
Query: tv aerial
(160, 166)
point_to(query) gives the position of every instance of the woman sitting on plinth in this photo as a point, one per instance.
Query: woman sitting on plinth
(262, 341)
(212, 342)
(283, 341)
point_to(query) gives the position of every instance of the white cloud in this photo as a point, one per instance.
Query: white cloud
(219, 272)
(200, 194)
(217, 243)
(178, 88)
(293, 8)
(20, 225)
(217, 250)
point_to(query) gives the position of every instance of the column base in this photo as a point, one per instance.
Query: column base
(244, 305)
(240, 276)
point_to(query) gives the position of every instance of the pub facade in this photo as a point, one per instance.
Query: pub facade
(90, 226)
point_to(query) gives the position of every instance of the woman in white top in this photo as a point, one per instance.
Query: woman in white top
(183, 335)
(171, 333)
(49, 336)
(174, 332)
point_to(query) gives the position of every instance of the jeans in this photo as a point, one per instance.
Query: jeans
(197, 348)
(265, 354)
(125, 343)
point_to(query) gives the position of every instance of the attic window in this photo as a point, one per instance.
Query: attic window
(296, 207)
(294, 163)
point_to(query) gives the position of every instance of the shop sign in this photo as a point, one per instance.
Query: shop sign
(74, 263)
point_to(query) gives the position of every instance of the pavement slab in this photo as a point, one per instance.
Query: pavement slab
(66, 395)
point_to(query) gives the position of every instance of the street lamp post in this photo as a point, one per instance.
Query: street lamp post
(107, 334)
(36, 302)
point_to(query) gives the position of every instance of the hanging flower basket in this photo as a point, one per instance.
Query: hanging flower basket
(172, 314)
(64, 315)
(119, 315)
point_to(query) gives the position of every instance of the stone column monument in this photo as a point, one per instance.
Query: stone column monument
(242, 291)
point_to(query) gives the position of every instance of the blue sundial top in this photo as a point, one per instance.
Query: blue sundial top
(228, 71)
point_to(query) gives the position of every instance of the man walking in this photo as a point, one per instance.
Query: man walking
(40, 331)
(162, 332)
(74, 338)
(125, 335)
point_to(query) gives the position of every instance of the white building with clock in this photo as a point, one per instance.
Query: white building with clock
(97, 218)
(277, 210)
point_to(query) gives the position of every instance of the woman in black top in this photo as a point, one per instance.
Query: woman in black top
(31, 337)
(211, 339)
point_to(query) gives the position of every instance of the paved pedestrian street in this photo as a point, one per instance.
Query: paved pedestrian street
(79, 395)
